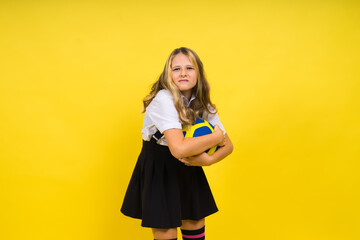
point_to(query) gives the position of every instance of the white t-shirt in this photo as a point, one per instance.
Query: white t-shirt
(161, 114)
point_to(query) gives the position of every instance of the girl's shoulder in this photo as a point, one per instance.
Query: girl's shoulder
(163, 100)
(163, 95)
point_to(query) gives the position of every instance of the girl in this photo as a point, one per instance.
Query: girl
(168, 188)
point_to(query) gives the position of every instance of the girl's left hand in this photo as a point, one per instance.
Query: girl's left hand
(202, 159)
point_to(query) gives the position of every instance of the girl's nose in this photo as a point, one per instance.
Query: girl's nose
(183, 72)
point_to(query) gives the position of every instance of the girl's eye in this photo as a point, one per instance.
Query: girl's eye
(177, 69)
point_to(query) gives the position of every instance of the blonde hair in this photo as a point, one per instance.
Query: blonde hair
(200, 104)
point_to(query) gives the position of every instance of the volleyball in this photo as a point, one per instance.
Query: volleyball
(200, 128)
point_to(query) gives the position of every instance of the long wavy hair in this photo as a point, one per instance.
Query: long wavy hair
(202, 102)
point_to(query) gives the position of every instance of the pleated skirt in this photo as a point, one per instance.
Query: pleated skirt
(163, 191)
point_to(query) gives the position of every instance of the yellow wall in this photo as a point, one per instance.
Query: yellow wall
(285, 77)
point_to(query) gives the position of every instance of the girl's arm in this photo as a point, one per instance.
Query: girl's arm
(222, 152)
(181, 147)
(204, 159)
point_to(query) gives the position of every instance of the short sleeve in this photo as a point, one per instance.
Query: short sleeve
(214, 120)
(162, 112)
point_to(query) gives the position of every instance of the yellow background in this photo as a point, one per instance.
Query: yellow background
(284, 76)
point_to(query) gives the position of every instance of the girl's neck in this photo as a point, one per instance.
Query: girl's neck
(187, 94)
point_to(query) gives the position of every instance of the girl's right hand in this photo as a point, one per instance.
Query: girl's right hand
(217, 129)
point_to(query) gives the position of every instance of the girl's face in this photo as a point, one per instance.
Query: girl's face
(183, 74)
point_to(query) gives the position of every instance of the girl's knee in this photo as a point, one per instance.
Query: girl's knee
(192, 224)
(160, 233)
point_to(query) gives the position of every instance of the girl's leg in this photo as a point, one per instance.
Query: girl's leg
(193, 230)
(168, 234)
(192, 224)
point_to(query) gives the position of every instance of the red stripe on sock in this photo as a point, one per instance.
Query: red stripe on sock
(194, 236)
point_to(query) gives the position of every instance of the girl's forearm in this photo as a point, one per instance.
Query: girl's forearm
(222, 152)
(196, 145)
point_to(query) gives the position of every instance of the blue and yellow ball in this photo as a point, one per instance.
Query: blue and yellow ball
(200, 128)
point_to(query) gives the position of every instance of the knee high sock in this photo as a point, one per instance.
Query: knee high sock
(198, 234)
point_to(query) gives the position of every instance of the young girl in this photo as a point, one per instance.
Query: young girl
(168, 188)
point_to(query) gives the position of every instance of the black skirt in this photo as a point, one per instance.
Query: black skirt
(163, 191)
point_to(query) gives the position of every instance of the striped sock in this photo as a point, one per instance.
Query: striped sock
(198, 234)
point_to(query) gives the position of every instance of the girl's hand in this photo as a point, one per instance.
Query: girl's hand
(218, 129)
(202, 159)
